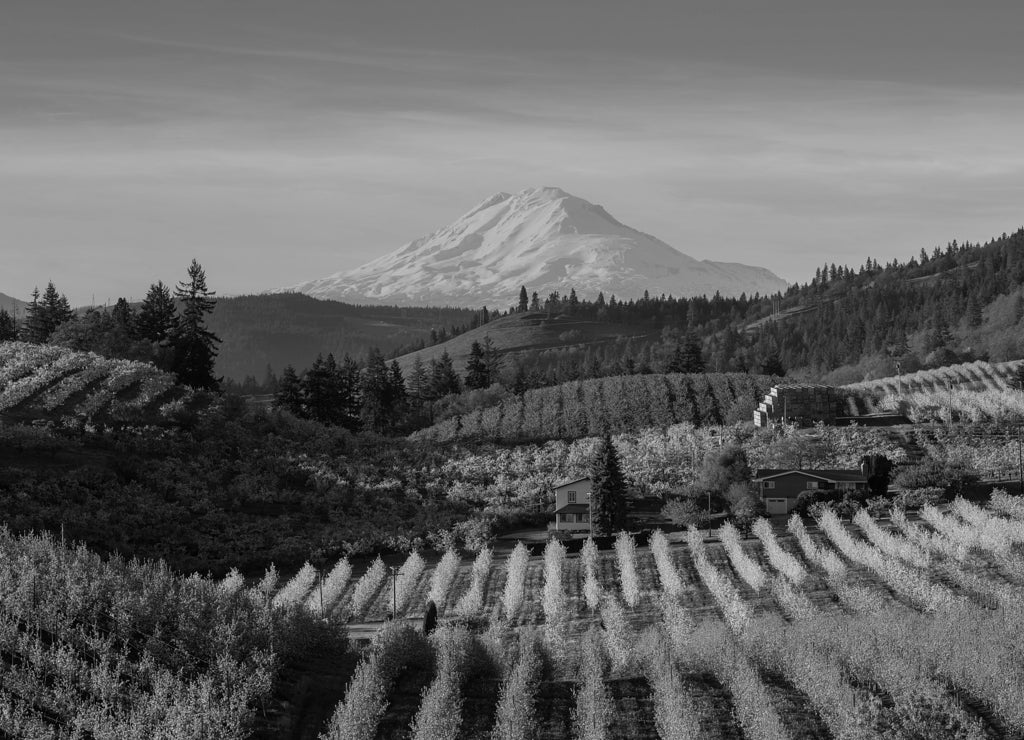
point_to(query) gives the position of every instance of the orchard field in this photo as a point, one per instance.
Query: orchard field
(893, 628)
(827, 629)
(50, 382)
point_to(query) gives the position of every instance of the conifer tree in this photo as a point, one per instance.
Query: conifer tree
(57, 309)
(157, 314)
(319, 392)
(608, 491)
(444, 379)
(289, 392)
(123, 316)
(195, 346)
(524, 300)
(419, 382)
(520, 383)
(399, 397)
(378, 394)
(8, 329)
(477, 373)
(35, 329)
(44, 314)
(692, 357)
(349, 382)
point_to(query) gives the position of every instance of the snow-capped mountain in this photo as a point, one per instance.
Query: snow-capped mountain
(541, 238)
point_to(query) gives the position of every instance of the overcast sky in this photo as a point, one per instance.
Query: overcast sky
(283, 141)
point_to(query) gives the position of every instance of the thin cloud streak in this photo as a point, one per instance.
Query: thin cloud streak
(318, 159)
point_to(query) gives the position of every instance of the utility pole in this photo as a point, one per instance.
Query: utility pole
(899, 379)
(1020, 462)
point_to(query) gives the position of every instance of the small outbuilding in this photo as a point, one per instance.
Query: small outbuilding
(780, 488)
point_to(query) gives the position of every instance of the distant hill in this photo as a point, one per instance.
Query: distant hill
(521, 336)
(546, 240)
(12, 304)
(291, 329)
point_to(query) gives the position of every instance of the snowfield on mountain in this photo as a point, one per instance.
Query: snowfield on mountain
(541, 238)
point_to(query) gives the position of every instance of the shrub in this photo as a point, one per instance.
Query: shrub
(441, 580)
(554, 597)
(685, 512)
(617, 636)
(440, 714)
(515, 579)
(408, 577)
(675, 715)
(367, 586)
(954, 479)
(515, 717)
(625, 551)
(747, 568)
(333, 586)
(737, 613)
(297, 587)
(667, 571)
(591, 584)
(358, 714)
(917, 498)
(592, 715)
(781, 560)
(473, 600)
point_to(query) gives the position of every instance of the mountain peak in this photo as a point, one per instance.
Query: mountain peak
(543, 238)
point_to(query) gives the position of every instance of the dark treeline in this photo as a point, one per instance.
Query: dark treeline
(168, 328)
(911, 312)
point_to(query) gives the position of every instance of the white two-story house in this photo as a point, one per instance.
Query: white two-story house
(572, 506)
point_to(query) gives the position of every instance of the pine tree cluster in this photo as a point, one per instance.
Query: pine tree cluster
(156, 332)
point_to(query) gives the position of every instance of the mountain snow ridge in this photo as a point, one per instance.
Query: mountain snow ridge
(545, 239)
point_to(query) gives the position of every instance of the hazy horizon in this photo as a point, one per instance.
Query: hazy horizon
(281, 143)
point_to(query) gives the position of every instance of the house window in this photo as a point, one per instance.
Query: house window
(572, 497)
(769, 485)
(812, 485)
(563, 518)
(585, 518)
(846, 486)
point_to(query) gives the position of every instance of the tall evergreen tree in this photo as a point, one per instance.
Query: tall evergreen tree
(35, 320)
(123, 316)
(524, 300)
(378, 394)
(58, 310)
(320, 392)
(477, 374)
(8, 329)
(608, 491)
(289, 392)
(693, 357)
(399, 397)
(349, 382)
(195, 346)
(157, 314)
(419, 381)
(444, 379)
(44, 314)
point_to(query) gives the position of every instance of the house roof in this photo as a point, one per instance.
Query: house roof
(832, 476)
(573, 509)
(572, 482)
